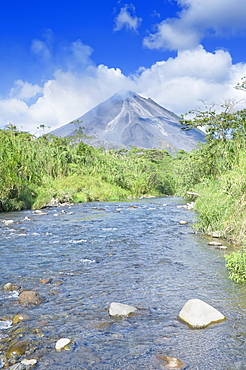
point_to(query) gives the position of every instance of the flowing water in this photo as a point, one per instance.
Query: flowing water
(135, 253)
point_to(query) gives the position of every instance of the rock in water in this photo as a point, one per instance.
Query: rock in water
(29, 363)
(171, 362)
(16, 349)
(30, 297)
(198, 314)
(61, 343)
(10, 287)
(120, 309)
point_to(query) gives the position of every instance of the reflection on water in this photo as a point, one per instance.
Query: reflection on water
(135, 253)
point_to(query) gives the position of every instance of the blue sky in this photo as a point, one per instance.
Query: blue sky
(61, 58)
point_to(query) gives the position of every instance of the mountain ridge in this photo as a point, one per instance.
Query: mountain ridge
(127, 119)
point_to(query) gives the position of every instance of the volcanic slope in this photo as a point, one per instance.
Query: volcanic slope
(127, 119)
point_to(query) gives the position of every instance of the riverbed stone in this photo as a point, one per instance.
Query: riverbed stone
(29, 363)
(19, 318)
(198, 314)
(169, 362)
(120, 309)
(40, 212)
(46, 281)
(30, 297)
(16, 349)
(8, 222)
(61, 343)
(9, 287)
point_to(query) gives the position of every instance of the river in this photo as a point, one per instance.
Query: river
(135, 253)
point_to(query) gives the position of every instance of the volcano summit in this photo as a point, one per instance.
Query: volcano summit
(127, 119)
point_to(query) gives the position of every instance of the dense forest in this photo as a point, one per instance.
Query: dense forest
(35, 171)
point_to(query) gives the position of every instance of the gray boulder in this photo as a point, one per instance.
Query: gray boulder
(30, 297)
(198, 314)
(120, 309)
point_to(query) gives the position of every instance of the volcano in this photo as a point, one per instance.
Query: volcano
(128, 119)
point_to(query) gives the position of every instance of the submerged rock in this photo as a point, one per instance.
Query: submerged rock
(171, 362)
(5, 324)
(46, 281)
(198, 314)
(19, 318)
(9, 287)
(16, 349)
(30, 297)
(120, 309)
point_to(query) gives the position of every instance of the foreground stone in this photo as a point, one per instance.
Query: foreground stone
(198, 314)
(120, 309)
(61, 343)
(29, 297)
(171, 362)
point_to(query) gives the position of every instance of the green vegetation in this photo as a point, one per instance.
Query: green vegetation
(36, 170)
(217, 172)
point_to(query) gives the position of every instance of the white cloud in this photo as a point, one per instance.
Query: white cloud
(181, 83)
(178, 84)
(127, 19)
(197, 20)
(24, 90)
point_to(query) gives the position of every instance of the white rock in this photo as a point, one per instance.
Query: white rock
(26, 218)
(8, 222)
(29, 362)
(198, 314)
(120, 309)
(39, 212)
(183, 222)
(215, 244)
(61, 343)
(222, 247)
